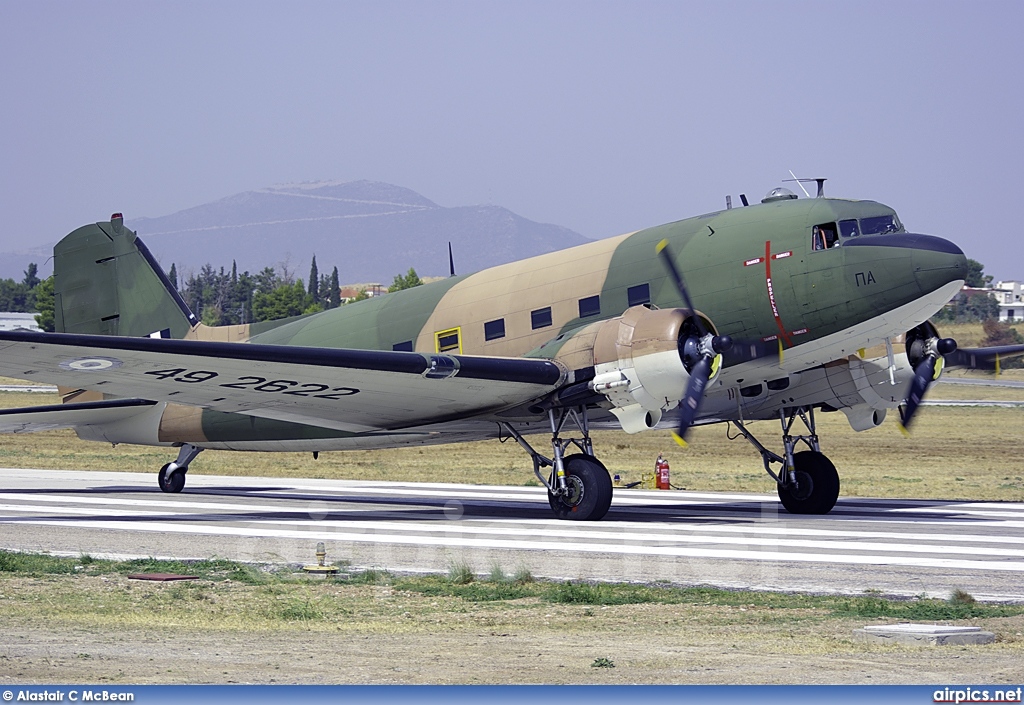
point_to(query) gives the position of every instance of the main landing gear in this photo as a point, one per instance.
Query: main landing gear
(579, 487)
(172, 475)
(808, 482)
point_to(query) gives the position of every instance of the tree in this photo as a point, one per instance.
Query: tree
(31, 280)
(997, 333)
(975, 306)
(335, 296)
(172, 276)
(314, 282)
(284, 301)
(14, 296)
(45, 305)
(266, 280)
(410, 280)
(976, 278)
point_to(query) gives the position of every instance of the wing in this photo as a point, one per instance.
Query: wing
(349, 390)
(982, 358)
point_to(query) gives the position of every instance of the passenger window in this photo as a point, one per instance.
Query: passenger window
(590, 306)
(824, 236)
(639, 294)
(848, 228)
(448, 340)
(541, 318)
(494, 329)
(403, 347)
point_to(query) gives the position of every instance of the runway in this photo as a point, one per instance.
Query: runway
(898, 547)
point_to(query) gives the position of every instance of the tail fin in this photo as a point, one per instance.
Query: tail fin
(106, 282)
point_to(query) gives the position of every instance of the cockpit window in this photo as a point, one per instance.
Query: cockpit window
(848, 228)
(880, 225)
(824, 236)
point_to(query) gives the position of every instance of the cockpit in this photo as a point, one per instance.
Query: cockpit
(825, 236)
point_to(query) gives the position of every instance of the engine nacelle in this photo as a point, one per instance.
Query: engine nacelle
(638, 361)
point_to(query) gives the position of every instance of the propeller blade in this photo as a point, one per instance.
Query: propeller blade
(924, 374)
(666, 256)
(690, 402)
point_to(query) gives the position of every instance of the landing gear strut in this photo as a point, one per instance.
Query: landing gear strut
(807, 481)
(172, 475)
(579, 487)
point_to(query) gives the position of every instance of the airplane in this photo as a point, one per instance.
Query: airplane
(775, 310)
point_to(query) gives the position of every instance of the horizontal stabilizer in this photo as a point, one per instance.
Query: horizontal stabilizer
(31, 419)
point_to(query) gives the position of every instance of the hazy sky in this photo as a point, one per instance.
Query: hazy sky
(604, 117)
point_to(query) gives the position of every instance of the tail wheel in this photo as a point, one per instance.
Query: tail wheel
(171, 481)
(817, 485)
(590, 490)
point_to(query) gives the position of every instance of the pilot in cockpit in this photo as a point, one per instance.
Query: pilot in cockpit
(824, 237)
(817, 240)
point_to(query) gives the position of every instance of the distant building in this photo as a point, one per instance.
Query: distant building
(18, 321)
(351, 291)
(1008, 294)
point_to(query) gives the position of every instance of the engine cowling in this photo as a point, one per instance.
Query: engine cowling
(641, 361)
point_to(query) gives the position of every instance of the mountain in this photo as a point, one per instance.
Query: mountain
(369, 230)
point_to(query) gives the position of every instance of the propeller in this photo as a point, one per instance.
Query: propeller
(698, 351)
(929, 350)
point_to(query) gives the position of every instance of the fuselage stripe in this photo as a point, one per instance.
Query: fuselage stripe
(771, 292)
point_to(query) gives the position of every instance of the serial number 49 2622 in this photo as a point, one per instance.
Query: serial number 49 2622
(257, 384)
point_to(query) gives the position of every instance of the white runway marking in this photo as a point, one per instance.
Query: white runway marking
(970, 541)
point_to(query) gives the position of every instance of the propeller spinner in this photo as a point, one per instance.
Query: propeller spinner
(699, 351)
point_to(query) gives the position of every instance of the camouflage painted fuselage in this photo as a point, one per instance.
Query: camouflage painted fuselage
(753, 272)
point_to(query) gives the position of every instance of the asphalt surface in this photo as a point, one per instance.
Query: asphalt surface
(897, 547)
(975, 382)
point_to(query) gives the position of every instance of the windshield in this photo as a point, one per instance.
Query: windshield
(879, 225)
(848, 228)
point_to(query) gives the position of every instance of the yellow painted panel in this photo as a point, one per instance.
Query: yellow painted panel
(449, 340)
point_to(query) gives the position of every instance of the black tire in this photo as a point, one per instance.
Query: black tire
(590, 490)
(817, 485)
(171, 481)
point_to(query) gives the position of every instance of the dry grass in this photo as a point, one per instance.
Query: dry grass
(955, 453)
(97, 626)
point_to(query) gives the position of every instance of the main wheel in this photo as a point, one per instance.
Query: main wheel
(171, 481)
(817, 485)
(590, 490)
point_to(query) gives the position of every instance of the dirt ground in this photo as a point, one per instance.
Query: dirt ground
(386, 636)
(479, 653)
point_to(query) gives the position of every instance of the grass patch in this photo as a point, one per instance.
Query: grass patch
(497, 574)
(961, 597)
(34, 564)
(291, 590)
(372, 576)
(522, 575)
(460, 574)
(71, 594)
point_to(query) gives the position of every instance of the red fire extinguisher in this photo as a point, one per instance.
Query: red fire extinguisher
(661, 473)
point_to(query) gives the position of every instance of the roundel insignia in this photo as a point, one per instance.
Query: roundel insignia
(91, 364)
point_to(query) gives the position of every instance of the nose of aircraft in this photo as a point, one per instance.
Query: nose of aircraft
(936, 261)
